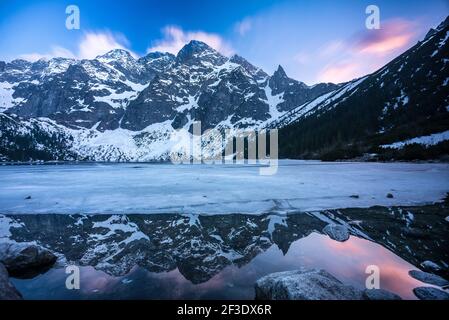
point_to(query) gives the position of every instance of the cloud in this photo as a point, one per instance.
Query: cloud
(340, 72)
(94, 44)
(91, 45)
(393, 35)
(175, 38)
(366, 51)
(332, 48)
(243, 26)
(302, 57)
(56, 51)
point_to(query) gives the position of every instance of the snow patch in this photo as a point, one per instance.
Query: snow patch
(427, 141)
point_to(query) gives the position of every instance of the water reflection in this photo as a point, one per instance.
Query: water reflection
(165, 256)
(346, 261)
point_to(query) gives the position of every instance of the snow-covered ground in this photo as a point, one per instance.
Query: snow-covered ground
(212, 189)
(427, 141)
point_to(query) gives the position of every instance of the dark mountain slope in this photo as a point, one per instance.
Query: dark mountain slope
(407, 98)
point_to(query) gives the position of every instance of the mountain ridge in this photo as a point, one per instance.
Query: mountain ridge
(120, 108)
(406, 98)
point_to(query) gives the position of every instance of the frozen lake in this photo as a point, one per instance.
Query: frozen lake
(213, 189)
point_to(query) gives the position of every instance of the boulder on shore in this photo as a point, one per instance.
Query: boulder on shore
(428, 278)
(24, 260)
(7, 289)
(430, 293)
(430, 266)
(336, 232)
(379, 294)
(313, 284)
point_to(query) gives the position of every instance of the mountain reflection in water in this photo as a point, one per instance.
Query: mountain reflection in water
(171, 256)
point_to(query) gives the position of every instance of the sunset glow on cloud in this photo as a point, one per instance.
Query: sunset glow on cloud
(339, 72)
(393, 35)
(366, 51)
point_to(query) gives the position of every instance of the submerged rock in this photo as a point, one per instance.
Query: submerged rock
(428, 278)
(430, 293)
(379, 294)
(24, 260)
(7, 289)
(304, 284)
(430, 265)
(336, 232)
(389, 196)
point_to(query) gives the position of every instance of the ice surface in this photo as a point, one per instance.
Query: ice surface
(212, 189)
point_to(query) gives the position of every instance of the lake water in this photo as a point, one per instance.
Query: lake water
(346, 261)
(163, 231)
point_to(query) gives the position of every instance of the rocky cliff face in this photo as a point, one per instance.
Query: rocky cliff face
(144, 98)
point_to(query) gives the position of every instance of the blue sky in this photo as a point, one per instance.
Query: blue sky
(313, 40)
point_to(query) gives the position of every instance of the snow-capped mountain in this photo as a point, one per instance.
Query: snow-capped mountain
(116, 107)
(400, 111)
(120, 108)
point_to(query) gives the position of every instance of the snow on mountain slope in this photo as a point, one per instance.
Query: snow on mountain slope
(429, 140)
(321, 102)
(118, 108)
(407, 98)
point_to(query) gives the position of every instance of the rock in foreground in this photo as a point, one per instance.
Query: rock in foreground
(428, 278)
(7, 289)
(314, 284)
(430, 266)
(336, 232)
(24, 260)
(379, 294)
(304, 285)
(430, 293)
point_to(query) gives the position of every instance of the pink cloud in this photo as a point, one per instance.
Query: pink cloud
(366, 51)
(392, 36)
(340, 72)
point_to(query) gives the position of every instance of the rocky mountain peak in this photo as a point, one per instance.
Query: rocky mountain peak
(116, 54)
(158, 55)
(19, 64)
(157, 61)
(440, 27)
(280, 73)
(279, 82)
(443, 24)
(243, 62)
(199, 52)
(259, 73)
